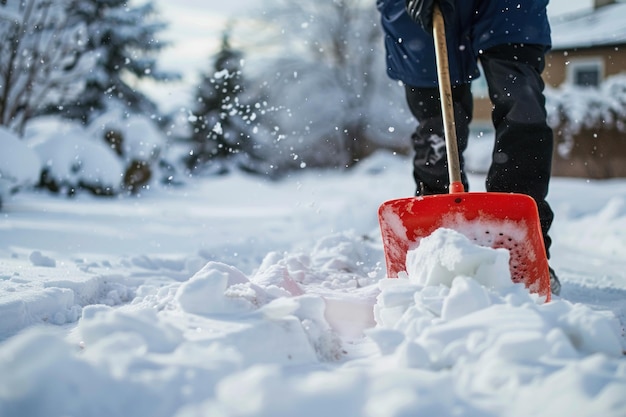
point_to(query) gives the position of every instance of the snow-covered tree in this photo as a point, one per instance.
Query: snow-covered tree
(125, 39)
(43, 58)
(223, 119)
(322, 62)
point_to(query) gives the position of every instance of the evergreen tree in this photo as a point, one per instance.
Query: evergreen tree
(125, 40)
(222, 124)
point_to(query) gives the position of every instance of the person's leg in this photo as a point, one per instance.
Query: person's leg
(522, 155)
(430, 167)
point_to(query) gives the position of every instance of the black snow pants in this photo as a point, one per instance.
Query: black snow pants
(522, 153)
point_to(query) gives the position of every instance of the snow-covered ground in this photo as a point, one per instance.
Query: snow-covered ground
(233, 296)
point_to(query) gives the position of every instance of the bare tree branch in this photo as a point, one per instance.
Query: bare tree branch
(44, 60)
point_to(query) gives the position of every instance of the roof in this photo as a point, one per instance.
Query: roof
(604, 26)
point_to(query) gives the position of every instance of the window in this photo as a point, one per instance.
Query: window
(585, 72)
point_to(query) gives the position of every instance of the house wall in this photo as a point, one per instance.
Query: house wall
(593, 153)
(612, 57)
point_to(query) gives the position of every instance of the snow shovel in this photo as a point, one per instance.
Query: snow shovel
(497, 220)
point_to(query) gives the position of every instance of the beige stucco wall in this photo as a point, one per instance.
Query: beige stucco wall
(592, 153)
(612, 57)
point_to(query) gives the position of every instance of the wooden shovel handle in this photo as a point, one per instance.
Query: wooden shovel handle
(447, 109)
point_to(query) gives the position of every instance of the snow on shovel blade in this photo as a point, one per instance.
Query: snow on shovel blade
(497, 220)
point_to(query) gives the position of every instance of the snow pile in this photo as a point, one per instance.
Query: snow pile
(454, 336)
(459, 311)
(175, 344)
(39, 259)
(468, 296)
(447, 255)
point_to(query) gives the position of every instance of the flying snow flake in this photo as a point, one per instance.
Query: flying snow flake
(221, 74)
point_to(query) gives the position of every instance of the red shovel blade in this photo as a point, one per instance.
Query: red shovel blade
(497, 220)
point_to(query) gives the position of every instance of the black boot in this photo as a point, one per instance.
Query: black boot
(555, 284)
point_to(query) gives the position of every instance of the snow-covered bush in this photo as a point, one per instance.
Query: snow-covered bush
(19, 165)
(72, 160)
(571, 109)
(116, 153)
(138, 142)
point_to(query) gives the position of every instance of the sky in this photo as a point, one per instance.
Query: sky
(196, 26)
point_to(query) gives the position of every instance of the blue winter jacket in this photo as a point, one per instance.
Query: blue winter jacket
(473, 26)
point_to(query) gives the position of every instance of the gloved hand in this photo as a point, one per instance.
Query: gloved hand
(421, 11)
